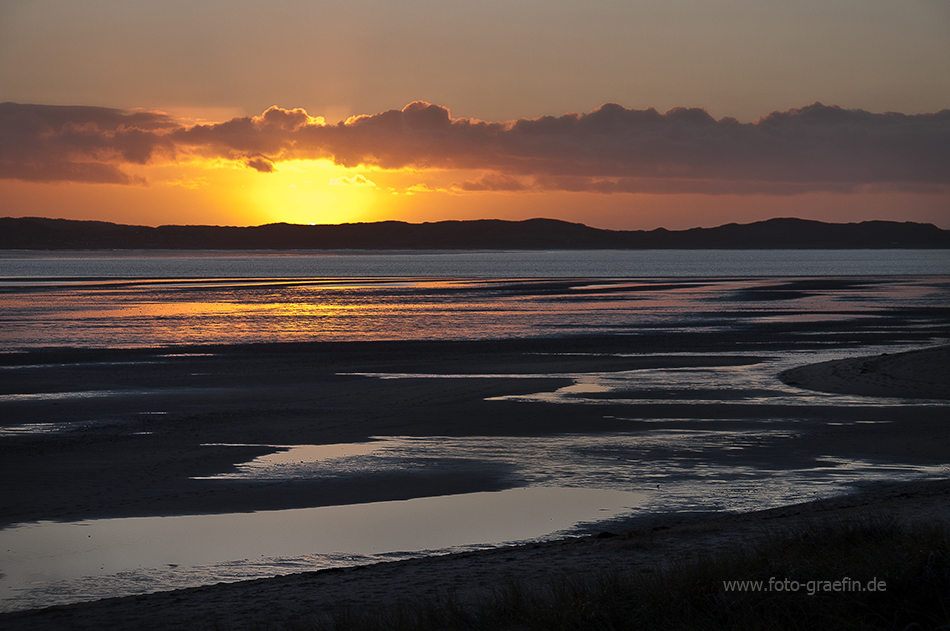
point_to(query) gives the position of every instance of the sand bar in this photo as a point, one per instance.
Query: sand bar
(920, 374)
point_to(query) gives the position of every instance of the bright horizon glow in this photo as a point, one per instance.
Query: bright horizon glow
(301, 191)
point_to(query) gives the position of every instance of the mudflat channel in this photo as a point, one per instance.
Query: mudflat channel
(138, 432)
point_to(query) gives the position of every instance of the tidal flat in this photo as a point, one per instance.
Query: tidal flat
(635, 402)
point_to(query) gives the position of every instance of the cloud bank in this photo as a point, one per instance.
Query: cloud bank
(609, 150)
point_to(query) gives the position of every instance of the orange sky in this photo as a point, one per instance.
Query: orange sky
(153, 114)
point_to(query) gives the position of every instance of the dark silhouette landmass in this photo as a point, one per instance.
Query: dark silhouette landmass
(486, 234)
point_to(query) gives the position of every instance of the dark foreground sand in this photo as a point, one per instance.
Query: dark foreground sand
(640, 547)
(295, 395)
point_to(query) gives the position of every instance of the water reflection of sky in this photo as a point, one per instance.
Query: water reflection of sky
(694, 469)
(148, 312)
(48, 563)
(752, 383)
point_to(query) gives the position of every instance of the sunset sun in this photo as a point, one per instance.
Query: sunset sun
(310, 191)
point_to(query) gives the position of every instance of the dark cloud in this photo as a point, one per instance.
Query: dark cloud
(611, 149)
(67, 172)
(276, 134)
(492, 182)
(684, 150)
(261, 165)
(75, 143)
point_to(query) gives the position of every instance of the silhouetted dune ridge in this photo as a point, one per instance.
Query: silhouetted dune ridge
(531, 234)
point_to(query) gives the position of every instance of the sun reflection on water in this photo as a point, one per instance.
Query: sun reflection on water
(155, 311)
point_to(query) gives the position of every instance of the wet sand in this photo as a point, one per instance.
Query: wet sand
(136, 451)
(920, 374)
(640, 546)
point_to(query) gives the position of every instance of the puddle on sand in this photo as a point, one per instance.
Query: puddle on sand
(34, 428)
(697, 469)
(39, 429)
(299, 454)
(747, 384)
(47, 563)
(755, 383)
(65, 396)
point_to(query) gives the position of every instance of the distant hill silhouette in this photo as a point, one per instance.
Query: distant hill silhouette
(486, 234)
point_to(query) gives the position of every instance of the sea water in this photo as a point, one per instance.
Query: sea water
(142, 299)
(468, 264)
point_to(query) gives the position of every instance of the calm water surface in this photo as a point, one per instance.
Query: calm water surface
(471, 264)
(149, 299)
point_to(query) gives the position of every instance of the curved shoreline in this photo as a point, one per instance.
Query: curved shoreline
(917, 374)
(644, 545)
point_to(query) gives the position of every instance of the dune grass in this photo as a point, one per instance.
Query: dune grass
(908, 564)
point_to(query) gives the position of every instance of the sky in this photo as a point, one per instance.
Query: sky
(623, 114)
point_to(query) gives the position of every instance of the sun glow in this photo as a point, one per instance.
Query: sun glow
(312, 191)
(218, 191)
(297, 191)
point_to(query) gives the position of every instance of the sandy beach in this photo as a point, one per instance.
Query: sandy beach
(133, 463)
(642, 546)
(914, 374)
